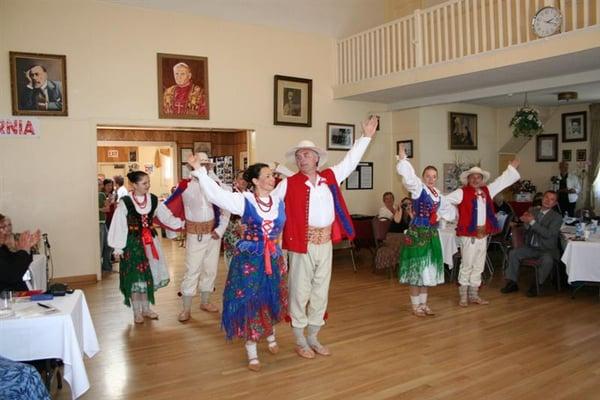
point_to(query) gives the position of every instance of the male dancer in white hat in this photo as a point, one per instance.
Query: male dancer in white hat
(316, 215)
(477, 220)
(205, 225)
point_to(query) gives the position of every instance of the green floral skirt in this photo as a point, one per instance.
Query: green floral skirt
(421, 260)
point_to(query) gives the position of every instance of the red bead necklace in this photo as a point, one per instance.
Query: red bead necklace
(141, 204)
(261, 204)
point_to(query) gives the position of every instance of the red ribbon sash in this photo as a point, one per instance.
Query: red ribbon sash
(147, 240)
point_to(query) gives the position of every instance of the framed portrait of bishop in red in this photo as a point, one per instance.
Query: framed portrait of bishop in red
(182, 87)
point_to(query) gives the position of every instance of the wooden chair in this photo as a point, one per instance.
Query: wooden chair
(517, 241)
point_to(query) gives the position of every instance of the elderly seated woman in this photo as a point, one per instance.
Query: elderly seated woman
(15, 255)
(388, 253)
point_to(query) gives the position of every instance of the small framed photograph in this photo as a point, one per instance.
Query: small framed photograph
(243, 160)
(184, 154)
(574, 127)
(462, 133)
(339, 136)
(38, 84)
(204, 147)
(293, 101)
(186, 173)
(546, 148)
(581, 155)
(113, 153)
(361, 178)
(566, 155)
(408, 147)
(133, 156)
(182, 87)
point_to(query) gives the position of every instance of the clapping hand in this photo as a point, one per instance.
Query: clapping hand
(27, 240)
(527, 217)
(370, 126)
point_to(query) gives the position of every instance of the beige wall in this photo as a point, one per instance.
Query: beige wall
(428, 128)
(540, 172)
(111, 68)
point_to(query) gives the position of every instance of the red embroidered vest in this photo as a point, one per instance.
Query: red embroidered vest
(295, 232)
(467, 213)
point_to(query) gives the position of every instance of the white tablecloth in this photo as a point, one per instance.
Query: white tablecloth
(67, 334)
(581, 260)
(449, 243)
(35, 277)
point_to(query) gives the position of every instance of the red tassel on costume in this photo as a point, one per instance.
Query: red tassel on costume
(147, 240)
(326, 316)
(287, 318)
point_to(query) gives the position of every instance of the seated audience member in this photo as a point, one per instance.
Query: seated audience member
(402, 216)
(388, 210)
(14, 264)
(502, 206)
(542, 226)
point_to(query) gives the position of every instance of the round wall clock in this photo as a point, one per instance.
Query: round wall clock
(547, 21)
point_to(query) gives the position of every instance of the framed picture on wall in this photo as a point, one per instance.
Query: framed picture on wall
(408, 147)
(361, 178)
(462, 131)
(185, 172)
(293, 101)
(566, 155)
(38, 84)
(339, 136)
(581, 155)
(546, 148)
(243, 160)
(132, 156)
(184, 154)
(574, 127)
(182, 86)
(205, 147)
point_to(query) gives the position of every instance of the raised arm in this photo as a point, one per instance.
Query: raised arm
(344, 168)
(232, 202)
(508, 177)
(411, 181)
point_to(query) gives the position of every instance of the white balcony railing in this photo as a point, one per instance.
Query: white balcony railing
(450, 31)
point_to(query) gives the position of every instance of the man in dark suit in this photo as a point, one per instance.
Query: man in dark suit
(40, 93)
(542, 226)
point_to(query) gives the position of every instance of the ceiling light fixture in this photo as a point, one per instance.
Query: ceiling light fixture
(567, 96)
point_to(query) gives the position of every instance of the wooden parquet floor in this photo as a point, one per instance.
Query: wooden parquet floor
(516, 348)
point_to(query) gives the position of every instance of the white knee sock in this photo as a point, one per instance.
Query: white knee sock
(300, 339)
(423, 298)
(205, 297)
(251, 352)
(187, 302)
(415, 301)
(313, 331)
(144, 302)
(271, 339)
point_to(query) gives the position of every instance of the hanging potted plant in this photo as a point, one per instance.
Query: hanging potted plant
(526, 121)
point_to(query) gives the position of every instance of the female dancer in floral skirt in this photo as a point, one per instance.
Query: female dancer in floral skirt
(255, 296)
(421, 261)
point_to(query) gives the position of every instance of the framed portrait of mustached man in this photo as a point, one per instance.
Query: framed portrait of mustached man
(38, 84)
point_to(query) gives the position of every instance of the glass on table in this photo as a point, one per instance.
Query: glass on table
(6, 300)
